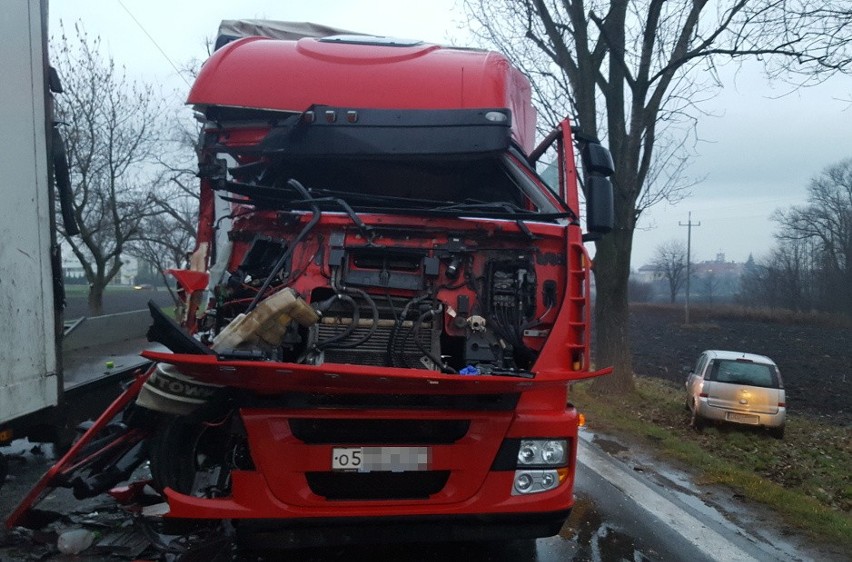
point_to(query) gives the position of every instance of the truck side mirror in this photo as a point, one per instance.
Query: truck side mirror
(600, 215)
(597, 160)
(598, 166)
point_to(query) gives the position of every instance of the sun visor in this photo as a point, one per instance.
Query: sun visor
(325, 131)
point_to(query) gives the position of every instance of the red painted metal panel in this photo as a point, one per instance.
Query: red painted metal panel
(277, 490)
(293, 75)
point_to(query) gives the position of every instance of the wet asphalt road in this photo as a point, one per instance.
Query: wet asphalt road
(116, 299)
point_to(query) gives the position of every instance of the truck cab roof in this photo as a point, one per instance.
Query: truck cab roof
(366, 72)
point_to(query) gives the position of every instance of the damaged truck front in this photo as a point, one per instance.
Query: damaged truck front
(387, 302)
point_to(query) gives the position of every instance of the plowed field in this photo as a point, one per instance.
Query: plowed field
(815, 357)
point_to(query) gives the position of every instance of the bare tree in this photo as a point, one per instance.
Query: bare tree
(785, 278)
(710, 284)
(640, 291)
(789, 263)
(758, 284)
(111, 129)
(635, 73)
(168, 236)
(670, 264)
(826, 222)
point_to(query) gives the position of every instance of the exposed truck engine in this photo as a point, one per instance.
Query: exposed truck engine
(387, 302)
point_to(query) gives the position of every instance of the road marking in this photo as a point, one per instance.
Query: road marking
(686, 525)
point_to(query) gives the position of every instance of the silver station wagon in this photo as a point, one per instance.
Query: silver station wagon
(735, 387)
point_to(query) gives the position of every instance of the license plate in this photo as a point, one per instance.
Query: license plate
(743, 418)
(380, 459)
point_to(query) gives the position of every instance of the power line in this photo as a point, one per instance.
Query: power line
(121, 3)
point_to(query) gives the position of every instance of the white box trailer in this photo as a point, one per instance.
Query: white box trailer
(30, 374)
(47, 385)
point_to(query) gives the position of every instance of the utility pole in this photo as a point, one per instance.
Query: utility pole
(689, 226)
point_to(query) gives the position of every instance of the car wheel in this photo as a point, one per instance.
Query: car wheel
(777, 432)
(696, 422)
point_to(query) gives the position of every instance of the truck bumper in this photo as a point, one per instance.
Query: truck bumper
(303, 533)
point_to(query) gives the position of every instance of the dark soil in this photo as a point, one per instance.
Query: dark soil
(815, 358)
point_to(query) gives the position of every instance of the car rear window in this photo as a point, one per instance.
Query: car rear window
(743, 372)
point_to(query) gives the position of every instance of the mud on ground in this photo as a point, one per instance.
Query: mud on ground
(815, 358)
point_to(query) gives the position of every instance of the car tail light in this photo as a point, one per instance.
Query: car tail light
(782, 404)
(703, 395)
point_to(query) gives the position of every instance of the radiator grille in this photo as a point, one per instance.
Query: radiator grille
(466, 402)
(320, 431)
(406, 351)
(377, 485)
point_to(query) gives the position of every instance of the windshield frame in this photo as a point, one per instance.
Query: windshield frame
(267, 188)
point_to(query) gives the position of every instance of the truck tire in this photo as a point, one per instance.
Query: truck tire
(172, 456)
(194, 457)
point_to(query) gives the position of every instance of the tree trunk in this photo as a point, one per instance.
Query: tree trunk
(96, 298)
(612, 271)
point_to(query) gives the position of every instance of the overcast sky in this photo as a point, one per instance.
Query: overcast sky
(756, 154)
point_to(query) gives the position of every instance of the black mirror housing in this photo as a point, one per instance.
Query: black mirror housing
(600, 215)
(597, 159)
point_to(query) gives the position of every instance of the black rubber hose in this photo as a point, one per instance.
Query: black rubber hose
(390, 359)
(349, 329)
(428, 353)
(375, 311)
(63, 184)
(283, 259)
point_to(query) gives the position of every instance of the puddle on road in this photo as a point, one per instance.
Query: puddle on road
(614, 448)
(596, 540)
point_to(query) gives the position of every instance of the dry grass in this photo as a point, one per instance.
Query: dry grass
(806, 477)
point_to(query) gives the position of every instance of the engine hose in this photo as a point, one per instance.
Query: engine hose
(375, 311)
(349, 329)
(397, 325)
(427, 352)
(315, 217)
(536, 321)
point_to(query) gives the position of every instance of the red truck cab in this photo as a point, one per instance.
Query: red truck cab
(387, 302)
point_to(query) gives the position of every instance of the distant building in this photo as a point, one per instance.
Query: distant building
(718, 267)
(710, 280)
(72, 269)
(646, 274)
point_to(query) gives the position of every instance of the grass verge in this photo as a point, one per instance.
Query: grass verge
(806, 478)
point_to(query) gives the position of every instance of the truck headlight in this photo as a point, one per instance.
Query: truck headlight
(535, 481)
(543, 452)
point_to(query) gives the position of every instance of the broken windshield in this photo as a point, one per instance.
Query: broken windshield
(493, 186)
